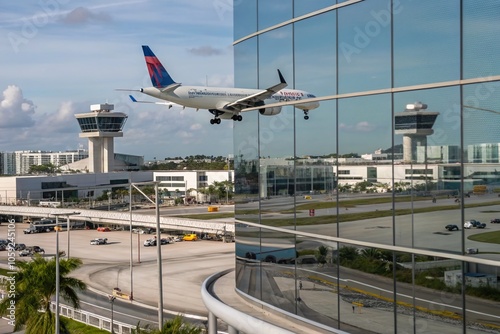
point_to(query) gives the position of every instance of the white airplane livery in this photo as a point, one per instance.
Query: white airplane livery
(223, 103)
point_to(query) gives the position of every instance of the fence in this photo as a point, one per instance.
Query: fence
(92, 319)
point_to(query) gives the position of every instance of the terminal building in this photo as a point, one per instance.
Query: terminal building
(367, 61)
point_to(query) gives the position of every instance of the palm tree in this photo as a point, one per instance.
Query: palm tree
(35, 284)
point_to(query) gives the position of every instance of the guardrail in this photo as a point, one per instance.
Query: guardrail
(93, 320)
(122, 218)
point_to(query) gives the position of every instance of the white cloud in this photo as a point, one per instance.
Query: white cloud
(82, 15)
(15, 110)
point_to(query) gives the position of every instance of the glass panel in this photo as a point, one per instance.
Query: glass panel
(316, 281)
(246, 185)
(364, 142)
(275, 53)
(316, 209)
(481, 168)
(367, 300)
(364, 47)
(273, 12)
(426, 42)
(302, 7)
(315, 59)
(315, 64)
(481, 293)
(276, 131)
(481, 33)
(425, 304)
(244, 18)
(247, 265)
(427, 151)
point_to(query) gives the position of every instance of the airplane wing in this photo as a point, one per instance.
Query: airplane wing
(169, 104)
(255, 99)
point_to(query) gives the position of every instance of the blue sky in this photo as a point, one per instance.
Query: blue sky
(58, 57)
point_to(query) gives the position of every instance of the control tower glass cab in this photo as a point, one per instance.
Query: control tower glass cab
(100, 126)
(415, 124)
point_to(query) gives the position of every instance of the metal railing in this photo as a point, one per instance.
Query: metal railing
(122, 218)
(93, 320)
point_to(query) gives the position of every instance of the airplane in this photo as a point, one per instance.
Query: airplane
(223, 103)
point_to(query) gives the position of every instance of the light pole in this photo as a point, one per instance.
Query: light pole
(158, 245)
(57, 263)
(112, 301)
(68, 228)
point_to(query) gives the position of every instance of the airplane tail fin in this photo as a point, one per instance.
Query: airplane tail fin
(158, 74)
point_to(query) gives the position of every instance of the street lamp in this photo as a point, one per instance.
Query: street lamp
(112, 301)
(158, 244)
(67, 214)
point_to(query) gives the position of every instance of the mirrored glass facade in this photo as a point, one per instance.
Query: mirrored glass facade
(378, 211)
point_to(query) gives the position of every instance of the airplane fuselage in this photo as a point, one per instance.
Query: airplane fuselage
(201, 97)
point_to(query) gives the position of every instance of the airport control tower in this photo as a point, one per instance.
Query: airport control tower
(101, 126)
(415, 124)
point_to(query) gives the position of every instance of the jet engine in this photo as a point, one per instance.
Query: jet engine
(270, 111)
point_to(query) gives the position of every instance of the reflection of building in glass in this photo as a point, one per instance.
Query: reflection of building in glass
(393, 215)
(283, 178)
(415, 124)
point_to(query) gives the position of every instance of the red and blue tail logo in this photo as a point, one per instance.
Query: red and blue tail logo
(158, 74)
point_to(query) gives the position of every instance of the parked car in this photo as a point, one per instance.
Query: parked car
(25, 252)
(474, 223)
(495, 221)
(150, 242)
(451, 227)
(103, 229)
(99, 241)
(164, 241)
(38, 249)
(138, 230)
(19, 247)
(190, 237)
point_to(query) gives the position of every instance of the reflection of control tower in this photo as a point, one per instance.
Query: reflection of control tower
(415, 124)
(100, 126)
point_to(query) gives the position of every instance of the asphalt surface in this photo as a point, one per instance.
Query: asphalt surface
(187, 264)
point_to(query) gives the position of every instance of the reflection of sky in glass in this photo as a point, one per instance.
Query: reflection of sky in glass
(245, 64)
(481, 38)
(482, 126)
(317, 135)
(426, 42)
(275, 133)
(275, 52)
(364, 48)
(302, 7)
(245, 18)
(315, 54)
(365, 124)
(273, 12)
(245, 73)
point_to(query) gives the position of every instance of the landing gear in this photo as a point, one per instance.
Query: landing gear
(306, 117)
(237, 118)
(216, 113)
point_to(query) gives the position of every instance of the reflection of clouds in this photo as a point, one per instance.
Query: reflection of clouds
(358, 127)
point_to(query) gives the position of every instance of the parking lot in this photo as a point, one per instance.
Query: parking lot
(186, 264)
